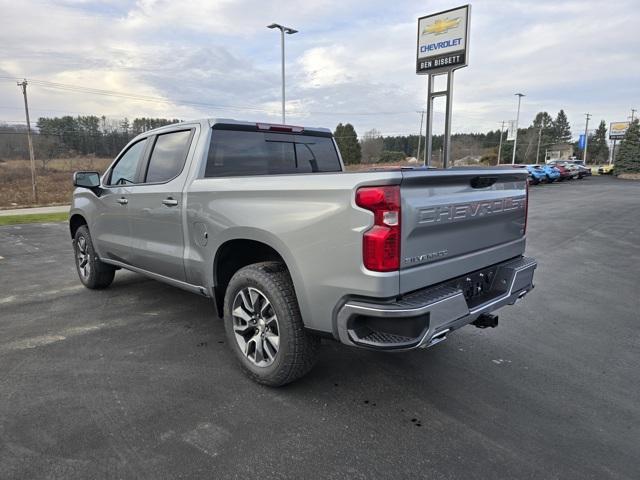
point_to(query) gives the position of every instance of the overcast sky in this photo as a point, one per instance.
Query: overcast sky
(353, 61)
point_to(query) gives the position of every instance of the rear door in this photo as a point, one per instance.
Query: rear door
(156, 206)
(456, 221)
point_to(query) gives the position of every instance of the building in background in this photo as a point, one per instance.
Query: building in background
(559, 151)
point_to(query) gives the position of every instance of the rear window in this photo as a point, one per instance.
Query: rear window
(236, 153)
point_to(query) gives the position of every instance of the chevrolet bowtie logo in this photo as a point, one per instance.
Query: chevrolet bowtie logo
(441, 26)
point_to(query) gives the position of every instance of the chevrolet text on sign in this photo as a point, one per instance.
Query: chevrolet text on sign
(442, 40)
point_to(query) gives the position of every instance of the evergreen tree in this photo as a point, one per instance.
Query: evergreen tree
(628, 155)
(561, 128)
(542, 121)
(347, 140)
(598, 149)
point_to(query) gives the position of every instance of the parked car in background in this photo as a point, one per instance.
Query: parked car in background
(536, 174)
(565, 174)
(605, 169)
(583, 171)
(573, 169)
(552, 173)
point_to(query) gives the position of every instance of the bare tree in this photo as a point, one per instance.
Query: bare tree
(372, 145)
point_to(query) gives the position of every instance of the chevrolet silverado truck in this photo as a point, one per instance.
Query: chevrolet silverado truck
(264, 220)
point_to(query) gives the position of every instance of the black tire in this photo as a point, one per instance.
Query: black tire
(297, 349)
(92, 272)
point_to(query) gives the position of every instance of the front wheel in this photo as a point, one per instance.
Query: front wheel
(93, 273)
(264, 327)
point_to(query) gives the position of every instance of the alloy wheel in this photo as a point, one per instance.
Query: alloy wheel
(83, 257)
(255, 326)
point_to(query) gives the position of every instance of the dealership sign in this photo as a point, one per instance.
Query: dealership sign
(617, 130)
(443, 41)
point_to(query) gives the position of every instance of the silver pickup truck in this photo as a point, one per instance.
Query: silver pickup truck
(262, 219)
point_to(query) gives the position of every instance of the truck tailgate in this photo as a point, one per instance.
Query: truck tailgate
(456, 221)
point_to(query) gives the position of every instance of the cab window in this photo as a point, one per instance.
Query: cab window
(124, 172)
(168, 156)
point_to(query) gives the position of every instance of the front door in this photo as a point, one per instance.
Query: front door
(111, 228)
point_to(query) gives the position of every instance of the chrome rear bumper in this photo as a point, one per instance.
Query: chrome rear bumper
(424, 318)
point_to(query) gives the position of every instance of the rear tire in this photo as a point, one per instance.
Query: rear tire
(264, 327)
(93, 273)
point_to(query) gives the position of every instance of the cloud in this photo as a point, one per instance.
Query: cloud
(351, 61)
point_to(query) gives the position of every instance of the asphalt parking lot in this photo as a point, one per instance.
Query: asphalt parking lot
(136, 382)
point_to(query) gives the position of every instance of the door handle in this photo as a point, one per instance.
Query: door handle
(170, 202)
(122, 201)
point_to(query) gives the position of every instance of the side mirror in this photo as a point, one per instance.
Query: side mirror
(86, 179)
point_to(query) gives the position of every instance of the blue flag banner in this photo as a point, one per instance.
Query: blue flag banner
(581, 142)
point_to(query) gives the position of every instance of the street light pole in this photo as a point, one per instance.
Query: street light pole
(288, 31)
(515, 140)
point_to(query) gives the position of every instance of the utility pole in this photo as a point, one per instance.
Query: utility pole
(586, 138)
(32, 159)
(421, 112)
(515, 140)
(633, 114)
(289, 31)
(500, 144)
(538, 149)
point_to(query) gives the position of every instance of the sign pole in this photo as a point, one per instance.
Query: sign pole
(420, 132)
(429, 121)
(613, 152)
(447, 121)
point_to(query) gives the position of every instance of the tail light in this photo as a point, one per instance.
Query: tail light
(279, 128)
(381, 243)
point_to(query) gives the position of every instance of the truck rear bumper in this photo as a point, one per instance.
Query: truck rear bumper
(425, 317)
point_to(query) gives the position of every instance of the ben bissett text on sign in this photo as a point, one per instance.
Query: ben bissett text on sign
(440, 62)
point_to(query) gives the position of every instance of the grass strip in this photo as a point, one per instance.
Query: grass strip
(34, 218)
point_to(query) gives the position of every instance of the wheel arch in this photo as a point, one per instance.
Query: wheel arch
(75, 222)
(236, 253)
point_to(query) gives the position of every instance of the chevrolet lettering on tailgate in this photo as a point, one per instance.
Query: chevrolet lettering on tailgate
(463, 211)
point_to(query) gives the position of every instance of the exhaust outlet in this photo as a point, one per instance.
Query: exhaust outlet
(486, 320)
(439, 337)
